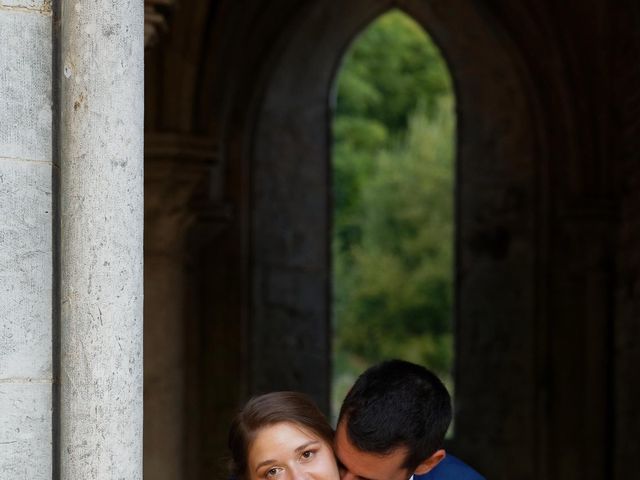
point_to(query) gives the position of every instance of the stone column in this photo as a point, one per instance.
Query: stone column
(101, 241)
(178, 169)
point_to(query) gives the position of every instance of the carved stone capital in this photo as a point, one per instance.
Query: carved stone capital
(155, 19)
(180, 188)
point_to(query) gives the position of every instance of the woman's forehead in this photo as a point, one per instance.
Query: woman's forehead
(280, 438)
(284, 431)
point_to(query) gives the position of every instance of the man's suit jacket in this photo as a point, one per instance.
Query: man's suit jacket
(451, 468)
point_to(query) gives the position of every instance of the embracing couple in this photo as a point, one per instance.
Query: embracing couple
(391, 427)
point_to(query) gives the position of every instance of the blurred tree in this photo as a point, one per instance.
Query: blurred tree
(391, 68)
(394, 133)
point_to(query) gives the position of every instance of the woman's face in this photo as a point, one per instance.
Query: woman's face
(286, 451)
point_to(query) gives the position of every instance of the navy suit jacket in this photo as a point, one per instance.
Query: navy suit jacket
(451, 468)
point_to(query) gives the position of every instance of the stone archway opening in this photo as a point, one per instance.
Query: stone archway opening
(262, 310)
(288, 147)
(392, 178)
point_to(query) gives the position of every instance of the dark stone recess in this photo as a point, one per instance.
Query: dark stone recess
(548, 232)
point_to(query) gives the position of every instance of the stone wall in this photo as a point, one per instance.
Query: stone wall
(26, 256)
(626, 329)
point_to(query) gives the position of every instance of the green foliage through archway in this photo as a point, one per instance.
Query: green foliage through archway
(393, 174)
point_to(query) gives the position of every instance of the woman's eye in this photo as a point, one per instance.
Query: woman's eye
(272, 472)
(308, 454)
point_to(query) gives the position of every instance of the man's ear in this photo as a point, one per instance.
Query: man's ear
(430, 463)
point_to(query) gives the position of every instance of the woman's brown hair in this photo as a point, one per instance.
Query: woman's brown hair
(269, 409)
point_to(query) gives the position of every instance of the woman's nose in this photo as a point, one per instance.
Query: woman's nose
(298, 472)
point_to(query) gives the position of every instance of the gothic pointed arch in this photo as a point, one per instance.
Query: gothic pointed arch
(498, 180)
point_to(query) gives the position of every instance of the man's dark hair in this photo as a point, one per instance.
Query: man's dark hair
(397, 404)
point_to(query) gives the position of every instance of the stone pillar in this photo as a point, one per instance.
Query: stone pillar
(101, 241)
(177, 173)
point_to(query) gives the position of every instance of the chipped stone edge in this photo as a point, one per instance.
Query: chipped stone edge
(44, 9)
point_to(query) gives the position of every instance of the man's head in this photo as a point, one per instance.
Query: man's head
(392, 423)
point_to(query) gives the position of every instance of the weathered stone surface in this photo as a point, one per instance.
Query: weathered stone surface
(25, 85)
(291, 267)
(164, 404)
(101, 210)
(25, 270)
(25, 244)
(25, 430)
(42, 6)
